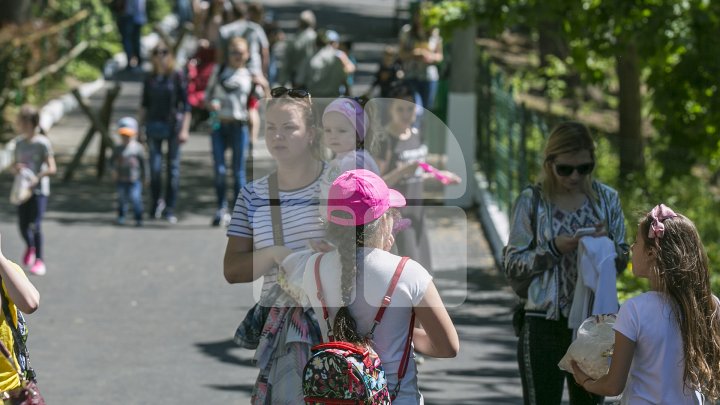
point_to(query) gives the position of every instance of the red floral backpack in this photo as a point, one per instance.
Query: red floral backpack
(345, 373)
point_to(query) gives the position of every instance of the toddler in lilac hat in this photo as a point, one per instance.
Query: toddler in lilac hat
(345, 124)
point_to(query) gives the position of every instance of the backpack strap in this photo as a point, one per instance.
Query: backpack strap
(388, 295)
(381, 311)
(275, 212)
(321, 297)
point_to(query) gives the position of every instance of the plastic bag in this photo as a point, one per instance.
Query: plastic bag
(22, 188)
(593, 347)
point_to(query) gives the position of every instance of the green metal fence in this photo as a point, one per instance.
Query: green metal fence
(510, 135)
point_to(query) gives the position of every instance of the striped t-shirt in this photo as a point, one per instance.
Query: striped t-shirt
(299, 210)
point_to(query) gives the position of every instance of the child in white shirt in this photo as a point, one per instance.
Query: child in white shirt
(667, 341)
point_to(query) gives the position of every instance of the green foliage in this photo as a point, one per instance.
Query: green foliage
(447, 15)
(688, 194)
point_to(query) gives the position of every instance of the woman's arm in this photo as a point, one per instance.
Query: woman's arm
(613, 383)
(51, 168)
(394, 176)
(242, 264)
(522, 256)
(437, 337)
(20, 290)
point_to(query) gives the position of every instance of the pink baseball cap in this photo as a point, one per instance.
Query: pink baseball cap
(360, 196)
(352, 110)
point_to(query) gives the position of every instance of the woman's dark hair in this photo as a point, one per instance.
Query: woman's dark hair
(402, 91)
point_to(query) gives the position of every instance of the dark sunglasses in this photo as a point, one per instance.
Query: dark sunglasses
(295, 93)
(161, 52)
(362, 100)
(567, 170)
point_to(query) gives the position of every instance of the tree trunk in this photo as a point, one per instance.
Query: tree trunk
(630, 111)
(14, 12)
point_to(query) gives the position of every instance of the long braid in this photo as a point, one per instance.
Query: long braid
(350, 241)
(344, 327)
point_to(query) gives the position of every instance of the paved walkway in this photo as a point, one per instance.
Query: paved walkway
(144, 315)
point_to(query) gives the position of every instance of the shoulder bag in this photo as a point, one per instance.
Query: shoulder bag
(247, 334)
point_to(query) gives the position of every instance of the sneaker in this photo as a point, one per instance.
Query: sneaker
(226, 220)
(120, 221)
(219, 217)
(29, 256)
(171, 218)
(139, 223)
(38, 268)
(159, 208)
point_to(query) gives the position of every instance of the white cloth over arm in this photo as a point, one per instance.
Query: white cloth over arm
(595, 290)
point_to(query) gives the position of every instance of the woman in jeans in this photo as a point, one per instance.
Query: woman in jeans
(569, 199)
(228, 91)
(165, 113)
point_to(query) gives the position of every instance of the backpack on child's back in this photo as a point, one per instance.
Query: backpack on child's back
(343, 373)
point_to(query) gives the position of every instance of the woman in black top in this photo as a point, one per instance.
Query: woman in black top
(165, 113)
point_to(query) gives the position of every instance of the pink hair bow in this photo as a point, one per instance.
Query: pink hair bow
(659, 214)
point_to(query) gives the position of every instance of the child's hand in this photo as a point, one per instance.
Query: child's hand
(452, 177)
(578, 374)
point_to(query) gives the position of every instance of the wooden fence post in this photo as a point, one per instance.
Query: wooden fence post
(99, 123)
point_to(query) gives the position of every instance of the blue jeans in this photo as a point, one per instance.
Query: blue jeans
(173, 172)
(427, 90)
(132, 191)
(234, 135)
(130, 35)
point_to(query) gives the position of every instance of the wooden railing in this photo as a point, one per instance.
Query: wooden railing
(30, 57)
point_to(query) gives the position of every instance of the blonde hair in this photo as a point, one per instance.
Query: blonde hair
(350, 241)
(171, 60)
(680, 271)
(304, 106)
(235, 41)
(568, 137)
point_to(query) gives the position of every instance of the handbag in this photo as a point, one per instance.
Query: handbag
(521, 285)
(27, 393)
(247, 334)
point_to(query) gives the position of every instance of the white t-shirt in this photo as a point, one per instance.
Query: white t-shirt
(251, 218)
(355, 159)
(372, 283)
(656, 373)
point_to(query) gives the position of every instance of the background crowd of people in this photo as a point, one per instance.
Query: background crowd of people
(346, 193)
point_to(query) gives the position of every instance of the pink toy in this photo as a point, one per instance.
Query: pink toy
(437, 173)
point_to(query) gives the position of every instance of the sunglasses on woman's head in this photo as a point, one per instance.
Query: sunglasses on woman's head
(567, 170)
(295, 93)
(362, 100)
(161, 52)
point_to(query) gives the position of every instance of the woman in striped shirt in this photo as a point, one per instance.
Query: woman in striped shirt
(252, 251)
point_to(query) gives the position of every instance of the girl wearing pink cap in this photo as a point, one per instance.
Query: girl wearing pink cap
(345, 126)
(361, 211)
